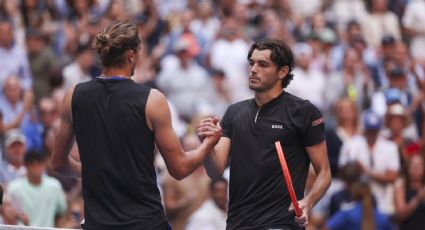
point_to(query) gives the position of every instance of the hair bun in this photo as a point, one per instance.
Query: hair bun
(102, 44)
(103, 38)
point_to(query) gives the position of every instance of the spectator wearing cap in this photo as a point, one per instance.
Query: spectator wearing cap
(309, 83)
(12, 166)
(379, 72)
(185, 82)
(328, 52)
(388, 43)
(396, 92)
(400, 130)
(378, 157)
(414, 71)
(39, 196)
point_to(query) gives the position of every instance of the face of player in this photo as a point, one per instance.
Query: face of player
(263, 73)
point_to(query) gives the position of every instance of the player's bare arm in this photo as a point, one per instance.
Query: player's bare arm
(179, 163)
(64, 140)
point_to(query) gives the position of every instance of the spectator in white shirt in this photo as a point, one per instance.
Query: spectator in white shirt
(413, 21)
(228, 53)
(380, 22)
(212, 214)
(379, 159)
(15, 103)
(13, 166)
(78, 71)
(308, 83)
(13, 59)
(185, 82)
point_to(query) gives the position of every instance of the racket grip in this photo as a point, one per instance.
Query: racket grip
(298, 211)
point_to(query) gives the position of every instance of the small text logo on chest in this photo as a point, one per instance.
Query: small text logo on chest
(277, 126)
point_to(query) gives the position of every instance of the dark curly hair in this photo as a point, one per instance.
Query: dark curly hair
(281, 56)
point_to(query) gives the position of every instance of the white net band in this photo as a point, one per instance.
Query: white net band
(13, 227)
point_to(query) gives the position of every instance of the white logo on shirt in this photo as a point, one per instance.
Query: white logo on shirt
(277, 126)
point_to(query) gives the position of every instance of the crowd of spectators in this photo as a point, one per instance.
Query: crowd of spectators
(361, 62)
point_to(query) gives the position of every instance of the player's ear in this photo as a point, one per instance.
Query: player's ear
(283, 72)
(131, 56)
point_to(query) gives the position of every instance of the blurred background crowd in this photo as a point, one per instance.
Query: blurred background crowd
(361, 62)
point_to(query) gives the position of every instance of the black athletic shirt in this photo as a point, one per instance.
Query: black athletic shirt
(258, 195)
(117, 152)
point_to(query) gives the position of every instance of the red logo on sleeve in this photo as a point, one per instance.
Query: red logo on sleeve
(318, 122)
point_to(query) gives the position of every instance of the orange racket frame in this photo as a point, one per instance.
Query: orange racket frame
(288, 180)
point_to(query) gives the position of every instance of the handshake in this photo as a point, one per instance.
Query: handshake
(209, 130)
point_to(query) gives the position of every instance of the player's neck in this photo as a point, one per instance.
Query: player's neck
(120, 72)
(263, 97)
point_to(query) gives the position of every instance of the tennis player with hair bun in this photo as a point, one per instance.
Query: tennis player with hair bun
(116, 124)
(258, 197)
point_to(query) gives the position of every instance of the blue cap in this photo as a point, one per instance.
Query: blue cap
(392, 95)
(371, 120)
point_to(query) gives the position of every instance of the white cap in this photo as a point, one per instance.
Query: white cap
(302, 49)
(14, 135)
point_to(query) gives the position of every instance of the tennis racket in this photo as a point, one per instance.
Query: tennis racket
(288, 180)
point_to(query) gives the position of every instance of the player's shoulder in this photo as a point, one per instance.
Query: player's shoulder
(240, 105)
(296, 104)
(156, 95)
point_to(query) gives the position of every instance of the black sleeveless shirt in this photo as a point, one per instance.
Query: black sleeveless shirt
(117, 152)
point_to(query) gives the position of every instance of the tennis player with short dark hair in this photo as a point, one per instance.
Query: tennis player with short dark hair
(258, 196)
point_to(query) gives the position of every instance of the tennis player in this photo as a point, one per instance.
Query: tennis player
(117, 123)
(258, 196)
